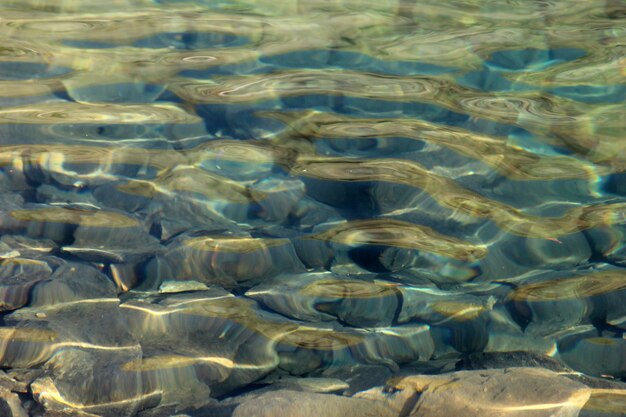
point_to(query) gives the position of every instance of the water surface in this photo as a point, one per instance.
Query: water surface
(203, 201)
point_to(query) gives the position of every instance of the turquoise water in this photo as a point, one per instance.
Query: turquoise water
(211, 207)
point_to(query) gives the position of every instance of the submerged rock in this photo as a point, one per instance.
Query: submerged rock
(361, 186)
(277, 198)
(92, 382)
(549, 303)
(609, 356)
(500, 392)
(182, 199)
(322, 296)
(81, 346)
(113, 242)
(111, 89)
(72, 282)
(313, 348)
(501, 360)
(386, 245)
(9, 203)
(12, 246)
(360, 377)
(605, 403)
(309, 384)
(511, 255)
(225, 260)
(506, 333)
(89, 234)
(257, 208)
(218, 341)
(17, 277)
(237, 160)
(10, 404)
(305, 404)
(484, 393)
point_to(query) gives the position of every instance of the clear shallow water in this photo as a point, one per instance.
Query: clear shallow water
(205, 201)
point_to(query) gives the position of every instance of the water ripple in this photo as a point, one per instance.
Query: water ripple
(201, 200)
(54, 113)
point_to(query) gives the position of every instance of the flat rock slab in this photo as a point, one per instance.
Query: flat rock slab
(512, 392)
(285, 403)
